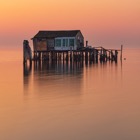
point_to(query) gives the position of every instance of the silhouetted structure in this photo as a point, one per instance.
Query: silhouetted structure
(58, 40)
(27, 53)
(66, 46)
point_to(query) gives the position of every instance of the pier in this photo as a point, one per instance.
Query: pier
(91, 54)
(66, 45)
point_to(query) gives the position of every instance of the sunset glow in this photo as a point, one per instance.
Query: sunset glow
(102, 22)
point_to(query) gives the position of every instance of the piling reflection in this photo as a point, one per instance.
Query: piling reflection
(61, 77)
(68, 99)
(56, 67)
(55, 78)
(27, 70)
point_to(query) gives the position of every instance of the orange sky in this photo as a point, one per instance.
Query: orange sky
(103, 22)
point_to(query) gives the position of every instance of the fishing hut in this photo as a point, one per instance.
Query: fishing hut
(66, 45)
(46, 43)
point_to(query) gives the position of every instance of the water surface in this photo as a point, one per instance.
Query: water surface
(64, 101)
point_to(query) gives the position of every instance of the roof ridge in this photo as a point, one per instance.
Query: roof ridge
(57, 30)
(56, 33)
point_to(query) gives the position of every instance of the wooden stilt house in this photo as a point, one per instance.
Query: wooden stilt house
(64, 40)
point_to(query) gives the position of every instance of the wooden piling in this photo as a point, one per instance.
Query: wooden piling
(96, 56)
(116, 55)
(87, 54)
(121, 51)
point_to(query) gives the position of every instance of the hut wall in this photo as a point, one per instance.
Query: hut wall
(79, 40)
(40, 44)
(50, 44)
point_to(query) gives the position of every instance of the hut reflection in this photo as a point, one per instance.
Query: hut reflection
(54, 78)
(45, 67)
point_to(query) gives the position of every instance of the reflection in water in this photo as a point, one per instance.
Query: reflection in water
(58, 67)
(70, 101)
(27, 70)
(54, 78)
(62, 68)
(66, 78)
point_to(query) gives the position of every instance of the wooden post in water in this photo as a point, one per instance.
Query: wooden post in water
(48, 56)
(94, 52)
(39, 56)
(109, 55)
(67, 56)
(121, 51)
(86, 55)
(96, 56)
(101, 55)
(55, 56)
(116, 55)
(70, 56)
(82, 56)
(86, 43)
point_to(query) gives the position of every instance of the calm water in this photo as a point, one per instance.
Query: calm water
(69, 101)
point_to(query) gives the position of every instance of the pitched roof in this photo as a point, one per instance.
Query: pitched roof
(53, 34)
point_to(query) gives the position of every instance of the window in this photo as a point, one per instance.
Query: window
(71, 42)
(58, 42)
(64, 42)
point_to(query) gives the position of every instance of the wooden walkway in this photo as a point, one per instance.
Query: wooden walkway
(94, 54)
